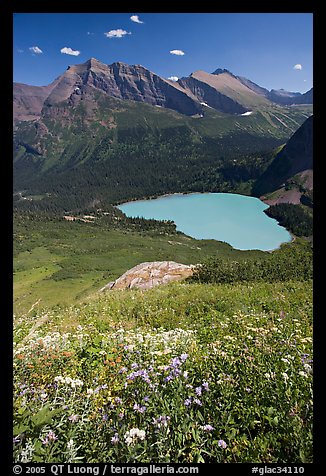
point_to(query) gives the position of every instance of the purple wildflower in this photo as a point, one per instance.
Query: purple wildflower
(205, 386)
(73, 418)
(138, 408)
(198, 391)
(208, 428)
(51, 436)
(118, 400)
(196, 400)
(222, 444)
(162, 420)
(115, 439)
(183, 357)
(175, 362)
(168, 378)
(187, 402)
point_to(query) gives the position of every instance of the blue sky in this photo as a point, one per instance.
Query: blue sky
(275, 50)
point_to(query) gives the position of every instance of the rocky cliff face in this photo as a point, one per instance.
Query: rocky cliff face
(296, 157)
(211, 96)
(150, 274)
(288, 98)
(28, 100)
(122, 81)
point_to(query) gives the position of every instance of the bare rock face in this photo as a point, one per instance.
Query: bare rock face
(150, 274)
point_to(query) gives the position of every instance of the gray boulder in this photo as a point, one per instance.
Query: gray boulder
(150, 274)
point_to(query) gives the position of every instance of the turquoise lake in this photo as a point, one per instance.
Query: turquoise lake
(236, 219)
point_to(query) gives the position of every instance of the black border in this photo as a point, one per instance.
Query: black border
(6, 76)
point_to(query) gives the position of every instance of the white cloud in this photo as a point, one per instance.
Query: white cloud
(177, 52)
(19, 50)
(69, 51)
(173, 78)
(135, 18)
(36, 50)
(298, 66)
(117, 33)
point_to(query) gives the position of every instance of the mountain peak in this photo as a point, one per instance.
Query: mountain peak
(222, 71)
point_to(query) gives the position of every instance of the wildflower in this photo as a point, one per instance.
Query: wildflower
(115, 439)
(285, 376)
(132, 435)
(183, 357)
(187, 402)
(27, 452)
(185, 374)
(162, 420)
(284, 360)
(196, 400)
(118, 400)
(307, 368)
(222, 444)
(168, 378)
(140, 409)
(303, 374)
(73, 418)
(70, 444)
(175, 362)
(49, 437)
(205, 386)
(198, 391)
(16, 440)
(207, 428)
(89, 391)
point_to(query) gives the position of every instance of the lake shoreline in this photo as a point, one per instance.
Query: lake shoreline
(240, 223)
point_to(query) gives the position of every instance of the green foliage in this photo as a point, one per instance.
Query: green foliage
(295, 218)
(292, 261)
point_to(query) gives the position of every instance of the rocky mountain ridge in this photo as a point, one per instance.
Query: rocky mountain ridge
(190, 96)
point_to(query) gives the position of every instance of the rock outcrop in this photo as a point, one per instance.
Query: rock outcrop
(150, 274)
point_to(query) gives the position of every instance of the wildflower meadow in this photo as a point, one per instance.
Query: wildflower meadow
(186, 373)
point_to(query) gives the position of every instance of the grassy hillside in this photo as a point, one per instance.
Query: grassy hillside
(183, 373)
(59, 262)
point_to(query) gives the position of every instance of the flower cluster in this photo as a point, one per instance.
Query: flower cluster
(161, 421)
(133, 435)
(69, 381)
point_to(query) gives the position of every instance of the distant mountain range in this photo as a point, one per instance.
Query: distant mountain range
(106, 133)
(220, 90)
